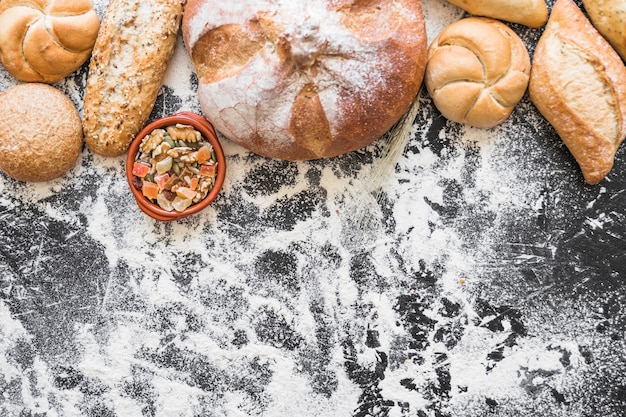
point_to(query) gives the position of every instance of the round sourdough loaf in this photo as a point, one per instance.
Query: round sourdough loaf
(305, 80)
(46, 40)
(41, 134)
(478, 70)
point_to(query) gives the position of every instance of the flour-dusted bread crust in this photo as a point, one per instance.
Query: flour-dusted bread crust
(477, 71)
(531, 13)
(305, 80)
(41, 135)
(46, 40)
(609, 17)
(578, 82)
(135, 44)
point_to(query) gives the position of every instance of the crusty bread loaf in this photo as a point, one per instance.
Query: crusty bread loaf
(46, 40)
(578, 82)
(135, 44)
(531, 13)
(609, 17)
(305, 80)
(477, 71)
(41, 135)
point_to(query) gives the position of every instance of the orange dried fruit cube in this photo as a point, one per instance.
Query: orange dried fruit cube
(150, 190)
(208, 170)
(185, 192)
(140, 170)
(193, 183)
(162, 180)
(203, 155)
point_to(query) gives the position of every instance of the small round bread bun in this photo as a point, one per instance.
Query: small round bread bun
(46, 40)
(477, 71)
(41, 134)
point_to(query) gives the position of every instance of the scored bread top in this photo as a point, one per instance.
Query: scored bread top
(305, 80)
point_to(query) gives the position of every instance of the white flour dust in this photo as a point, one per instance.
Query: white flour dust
(252, 308)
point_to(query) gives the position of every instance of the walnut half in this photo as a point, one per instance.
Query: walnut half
(185, 133)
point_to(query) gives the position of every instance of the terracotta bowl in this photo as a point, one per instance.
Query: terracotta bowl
(208, 132)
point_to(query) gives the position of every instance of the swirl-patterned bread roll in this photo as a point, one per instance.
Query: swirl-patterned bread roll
(304, 80)
(477, 71)
(578, 83)
(46, 40)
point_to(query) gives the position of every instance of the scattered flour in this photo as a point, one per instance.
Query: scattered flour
(417, 186)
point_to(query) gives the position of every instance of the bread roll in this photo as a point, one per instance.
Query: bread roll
(531, 13)
(40, 132)
(578, 82)
(126, 71)
(609, 17)
(305, 80)
(46, 40)
(477, 71)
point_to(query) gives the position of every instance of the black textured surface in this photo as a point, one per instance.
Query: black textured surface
(489, 283)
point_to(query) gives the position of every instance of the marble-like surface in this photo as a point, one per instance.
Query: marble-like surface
(475, 275)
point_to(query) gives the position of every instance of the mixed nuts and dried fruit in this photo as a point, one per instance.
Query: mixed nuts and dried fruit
(175, 167)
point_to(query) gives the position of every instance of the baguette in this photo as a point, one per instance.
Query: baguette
(128, 64)
(578, 83)
(531, 13)
(609, 17)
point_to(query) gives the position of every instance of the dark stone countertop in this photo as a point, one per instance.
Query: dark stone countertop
(475, 274)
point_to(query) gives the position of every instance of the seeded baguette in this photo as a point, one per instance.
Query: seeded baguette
(134, 46)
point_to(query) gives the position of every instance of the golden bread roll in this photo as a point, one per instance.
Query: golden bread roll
(46, 40)
(609, 17)
(477, 71)
(41, 135)
(305, 80)
(128, 64)
(578, 83)
(531, 13)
